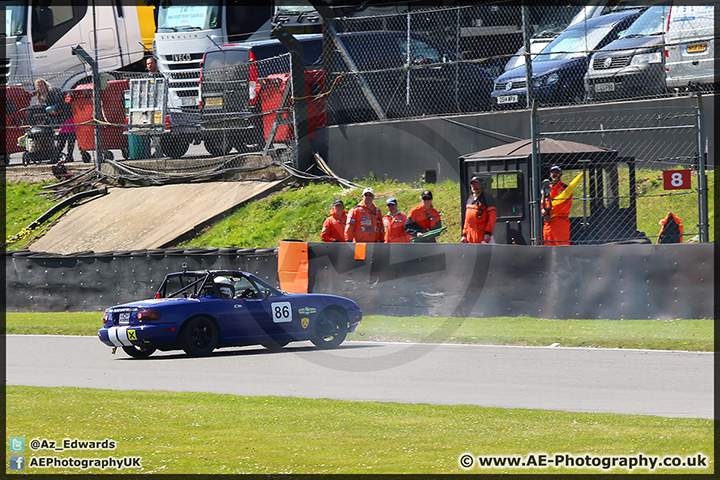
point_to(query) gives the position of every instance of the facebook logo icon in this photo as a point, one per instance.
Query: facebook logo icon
(17, 462)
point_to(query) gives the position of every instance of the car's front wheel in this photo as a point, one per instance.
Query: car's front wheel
(330, 330)
(199, 337)
(139, 351)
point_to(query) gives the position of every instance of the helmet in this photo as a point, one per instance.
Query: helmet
(225, 286)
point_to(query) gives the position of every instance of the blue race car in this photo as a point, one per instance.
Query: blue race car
(199, 311)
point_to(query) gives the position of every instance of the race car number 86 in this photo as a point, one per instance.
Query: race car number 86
(281, 312)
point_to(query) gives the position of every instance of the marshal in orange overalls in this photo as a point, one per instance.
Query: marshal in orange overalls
(556, 230)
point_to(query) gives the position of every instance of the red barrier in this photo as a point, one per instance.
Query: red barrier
(16, 98)
(113, 110)
(271, 92)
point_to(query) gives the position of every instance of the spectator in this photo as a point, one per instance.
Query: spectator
(66, 134)
(423, 218)
(154, 143)
(556, 215)
(54, 100)
(333, 229)
(364, 222)
(480, 214)
(394, 223)
(151, 65)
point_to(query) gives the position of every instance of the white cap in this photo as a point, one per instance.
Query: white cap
(368, 190)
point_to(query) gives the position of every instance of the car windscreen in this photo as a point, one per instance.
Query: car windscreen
(651, 22)
(573, 43)
(216, 63)
(184, 15)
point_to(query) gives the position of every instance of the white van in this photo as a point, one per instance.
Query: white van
(690, 45)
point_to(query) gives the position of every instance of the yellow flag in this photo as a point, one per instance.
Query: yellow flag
(568, 191)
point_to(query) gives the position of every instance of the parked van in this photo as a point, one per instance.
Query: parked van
(631, 66)
(230, 79)
(690, 49)
(559, 18)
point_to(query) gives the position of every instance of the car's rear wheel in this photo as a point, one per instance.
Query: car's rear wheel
(330, 329)
(199, 337)
(139, 351)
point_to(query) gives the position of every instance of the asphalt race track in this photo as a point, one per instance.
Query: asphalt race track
(672, 384)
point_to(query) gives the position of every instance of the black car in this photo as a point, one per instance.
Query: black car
(405, 75)
(633, 65)
(230, 80)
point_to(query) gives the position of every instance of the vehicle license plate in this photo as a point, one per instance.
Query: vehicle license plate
(188, 101)
(507, 99)
(604, 87)
(124, 317)
(214, 101)
(697, 48)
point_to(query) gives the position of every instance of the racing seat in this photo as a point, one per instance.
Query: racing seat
(227, 290)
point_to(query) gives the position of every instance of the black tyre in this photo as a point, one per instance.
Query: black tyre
(25, 158)
(218, 145)
(173, 146)
(199, 337)
(274, 344)
(329, 330)
(108, 155)
(125, 152)
(85, 156)
(139, 351)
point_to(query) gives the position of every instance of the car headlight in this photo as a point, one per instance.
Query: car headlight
(546, 80)
(645, 58)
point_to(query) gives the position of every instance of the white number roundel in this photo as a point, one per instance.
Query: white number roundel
(281, 312)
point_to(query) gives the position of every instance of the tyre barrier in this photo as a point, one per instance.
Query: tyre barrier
(93, 281)
(669, 281)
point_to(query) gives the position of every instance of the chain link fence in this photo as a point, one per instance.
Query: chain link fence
(240, 119)
(632, 186)
(471, 58)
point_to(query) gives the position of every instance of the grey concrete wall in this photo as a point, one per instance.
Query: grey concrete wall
(404, 150)
(604, 281)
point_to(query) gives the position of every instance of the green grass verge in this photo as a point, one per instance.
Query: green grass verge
(298, 212)
(697, 335)
(694, 335)
(23, 205)
(215, 433)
